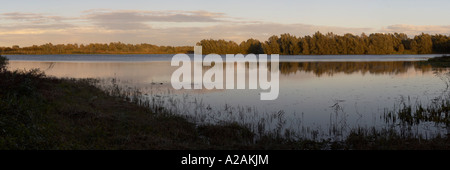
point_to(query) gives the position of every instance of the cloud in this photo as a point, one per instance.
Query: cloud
(18, 22)
(33, 17)
(133, 19)
(417, 29)
(35, 26)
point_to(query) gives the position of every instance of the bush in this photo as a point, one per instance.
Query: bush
(3, 63)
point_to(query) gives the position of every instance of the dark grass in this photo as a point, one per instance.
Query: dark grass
(389, 139)
(444, 58)
(442, 61)
(45, 113)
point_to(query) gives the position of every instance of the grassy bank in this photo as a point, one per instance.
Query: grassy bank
(39, 112)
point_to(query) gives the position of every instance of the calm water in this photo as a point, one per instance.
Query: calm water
(317, 93)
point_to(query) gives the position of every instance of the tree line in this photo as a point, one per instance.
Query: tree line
(321, 44)
(96, 48)
(285, 44)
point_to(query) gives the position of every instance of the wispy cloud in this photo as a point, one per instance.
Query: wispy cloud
(418, 29)
(30, 17)
(18, 22)
(135, 19)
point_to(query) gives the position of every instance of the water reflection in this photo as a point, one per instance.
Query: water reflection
(313, 95)
(330, 68)
(159, 71)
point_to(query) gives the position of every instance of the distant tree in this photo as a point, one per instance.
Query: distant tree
(424, 43)
(441, 43)
(401, 49)
(251, 46)
(304, 45)
(271, 46)
(413, 46)
(288, 45)
(219, 47)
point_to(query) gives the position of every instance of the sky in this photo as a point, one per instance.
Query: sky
(182, 22)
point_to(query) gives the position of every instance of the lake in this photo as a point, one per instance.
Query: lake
(320, 96)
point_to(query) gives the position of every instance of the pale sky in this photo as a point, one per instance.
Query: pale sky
(182, 22)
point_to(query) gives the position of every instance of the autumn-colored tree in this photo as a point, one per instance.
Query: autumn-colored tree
(424, 43)
(251, 46)
(287, 44)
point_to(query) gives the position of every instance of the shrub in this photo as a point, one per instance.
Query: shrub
(3, 63)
